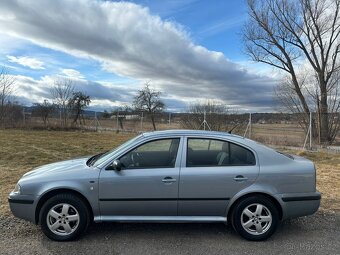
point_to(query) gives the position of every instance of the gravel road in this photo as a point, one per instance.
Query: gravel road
(317, 234)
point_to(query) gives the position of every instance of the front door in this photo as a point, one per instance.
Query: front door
(212, 172)
(147, 185)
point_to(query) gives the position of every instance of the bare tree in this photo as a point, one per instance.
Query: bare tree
(284, 33)
(62, 92)
(148, 100)
(216, 116)
(6, 89)
(43, 110)
(77, 103)
(14, 114)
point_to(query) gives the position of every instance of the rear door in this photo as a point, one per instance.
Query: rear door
(212, 172)
(148, 183)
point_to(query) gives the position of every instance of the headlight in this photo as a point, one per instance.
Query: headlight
(17, 189)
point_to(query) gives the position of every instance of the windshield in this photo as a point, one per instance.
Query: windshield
(106, 156)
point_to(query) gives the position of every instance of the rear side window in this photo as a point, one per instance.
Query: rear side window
(212, 152)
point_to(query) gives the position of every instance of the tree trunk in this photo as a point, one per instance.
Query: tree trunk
(324, 129)
(121, 123)
(153, 121)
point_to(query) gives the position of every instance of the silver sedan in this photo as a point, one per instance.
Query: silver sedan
(170, 176)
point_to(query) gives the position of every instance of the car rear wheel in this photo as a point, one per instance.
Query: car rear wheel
(64, 217)
(255, 218)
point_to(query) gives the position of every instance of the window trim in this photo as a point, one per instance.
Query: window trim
(149, 141)
(220, 140)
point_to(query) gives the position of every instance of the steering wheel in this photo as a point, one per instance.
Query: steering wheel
(137, 158)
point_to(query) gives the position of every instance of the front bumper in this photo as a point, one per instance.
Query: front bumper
(300, 204)
(23, 206)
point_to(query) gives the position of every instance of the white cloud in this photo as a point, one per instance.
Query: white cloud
(131, 42)
(71, 73)
(31, 90)
(32, 63)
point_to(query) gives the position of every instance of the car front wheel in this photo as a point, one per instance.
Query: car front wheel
(255, 218)
(64, 217)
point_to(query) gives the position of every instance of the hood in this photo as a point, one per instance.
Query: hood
(58, 167)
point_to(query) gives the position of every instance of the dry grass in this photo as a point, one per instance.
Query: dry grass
(22, 150)
(328, 178)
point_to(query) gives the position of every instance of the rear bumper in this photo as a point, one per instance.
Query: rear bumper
(300, 204)
(22, 207)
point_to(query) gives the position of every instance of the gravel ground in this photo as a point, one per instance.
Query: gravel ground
(317, 234)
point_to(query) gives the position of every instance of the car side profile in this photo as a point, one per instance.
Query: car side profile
(170, 176)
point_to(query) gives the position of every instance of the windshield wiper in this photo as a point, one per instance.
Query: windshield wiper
(94, 158)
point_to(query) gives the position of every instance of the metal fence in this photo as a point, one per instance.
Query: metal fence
(288, 130)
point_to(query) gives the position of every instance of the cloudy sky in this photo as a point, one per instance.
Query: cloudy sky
(191, 50)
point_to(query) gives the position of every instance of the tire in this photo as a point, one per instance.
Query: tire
(64, 217)
(255, 224)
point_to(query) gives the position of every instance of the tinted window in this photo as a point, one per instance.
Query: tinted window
(154, 154)
(210, 152)
(240, 156)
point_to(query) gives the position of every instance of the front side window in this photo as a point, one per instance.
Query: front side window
(155, 154)
(212, 152)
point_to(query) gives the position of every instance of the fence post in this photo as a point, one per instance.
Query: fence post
(204, 119)
(23, 115)
(61, 124)
(248, 128)
(117, 121)
(141, 122)
(249, 125)
(309, 133)
(95, 119)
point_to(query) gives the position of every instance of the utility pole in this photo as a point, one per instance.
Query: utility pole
(169, 119)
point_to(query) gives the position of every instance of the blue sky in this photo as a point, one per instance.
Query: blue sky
(215, 24)
(190, 50)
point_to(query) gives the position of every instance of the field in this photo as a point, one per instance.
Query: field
(22, 150)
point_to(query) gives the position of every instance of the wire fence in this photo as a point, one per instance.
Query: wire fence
(288, 130)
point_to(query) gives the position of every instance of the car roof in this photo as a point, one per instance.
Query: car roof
(188, 132)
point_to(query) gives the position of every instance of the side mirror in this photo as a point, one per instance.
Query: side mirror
(116, 165)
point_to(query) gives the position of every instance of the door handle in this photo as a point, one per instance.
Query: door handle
(240, 178)
(168, 179)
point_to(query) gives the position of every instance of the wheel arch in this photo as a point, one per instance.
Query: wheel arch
(251, 194)
(57, 191)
